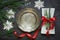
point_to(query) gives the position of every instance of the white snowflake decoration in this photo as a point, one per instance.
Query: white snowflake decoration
(27, 4)
(26, 0)
(39, 4)
(8, 25)
(11, 13)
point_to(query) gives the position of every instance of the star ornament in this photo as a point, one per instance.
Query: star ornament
(10, 13)
(8, 25)
(39, 4)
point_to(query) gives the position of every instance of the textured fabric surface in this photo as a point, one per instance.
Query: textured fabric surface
(47, 4)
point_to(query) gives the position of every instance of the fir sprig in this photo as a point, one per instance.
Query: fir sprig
(11, 4)
(48, 16)
(3, 16)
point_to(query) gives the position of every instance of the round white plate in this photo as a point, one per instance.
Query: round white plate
(28, 20)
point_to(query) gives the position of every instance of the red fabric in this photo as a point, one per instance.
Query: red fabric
(27, 34)
(51, 21)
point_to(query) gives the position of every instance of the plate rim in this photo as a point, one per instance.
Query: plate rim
(34, 12)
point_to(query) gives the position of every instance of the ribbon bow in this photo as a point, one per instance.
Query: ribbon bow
(27, 34)
(51, 21)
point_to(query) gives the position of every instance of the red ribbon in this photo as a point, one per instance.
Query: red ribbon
(27, 34)
(51, 21)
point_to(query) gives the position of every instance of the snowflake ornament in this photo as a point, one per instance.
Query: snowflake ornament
(8, 25)
(26, 0)
(10, 13)
(27, 4)
(39, 4)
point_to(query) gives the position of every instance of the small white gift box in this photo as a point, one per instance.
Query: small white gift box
(50, 11)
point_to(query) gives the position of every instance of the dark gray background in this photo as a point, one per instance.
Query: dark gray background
(48, 4)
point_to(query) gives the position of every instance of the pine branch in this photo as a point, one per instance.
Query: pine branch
(13, 4)
(9, 2)
(48, 17)
(3, 16)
